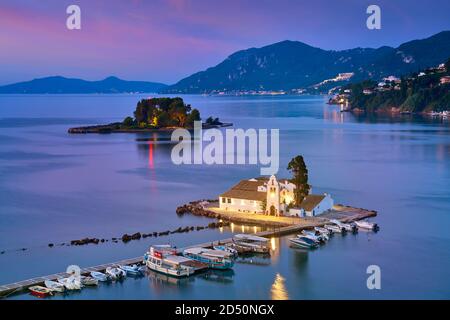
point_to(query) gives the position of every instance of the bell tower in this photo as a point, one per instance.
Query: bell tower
(273, 197)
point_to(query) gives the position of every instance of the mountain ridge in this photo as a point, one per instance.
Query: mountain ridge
(291, 64)
(63, 85)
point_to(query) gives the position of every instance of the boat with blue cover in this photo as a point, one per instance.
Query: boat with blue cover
(216, 259)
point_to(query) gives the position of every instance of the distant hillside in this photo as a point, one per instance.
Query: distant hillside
(65, 85)
(291, 64)
(427, 91)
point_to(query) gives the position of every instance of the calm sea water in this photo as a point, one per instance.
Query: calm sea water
(55, 187)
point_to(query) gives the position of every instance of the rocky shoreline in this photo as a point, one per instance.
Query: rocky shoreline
(197, 208)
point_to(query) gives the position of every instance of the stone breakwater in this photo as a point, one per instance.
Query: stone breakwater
(197, 208)
(130, 237)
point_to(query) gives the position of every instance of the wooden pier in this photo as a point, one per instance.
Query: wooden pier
(342, 213)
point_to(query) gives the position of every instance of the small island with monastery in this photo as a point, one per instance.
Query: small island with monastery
(276, 202)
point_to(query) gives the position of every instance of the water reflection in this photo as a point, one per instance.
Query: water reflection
(274, 249)
(221, 276)
(255, 259)
(278, 290)
(159, 281)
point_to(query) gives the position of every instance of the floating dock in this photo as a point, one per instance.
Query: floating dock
(342, 213)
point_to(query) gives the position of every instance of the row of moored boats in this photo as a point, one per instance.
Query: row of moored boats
(168, 260)
(165, 259)
(75, 282)
(313, 238)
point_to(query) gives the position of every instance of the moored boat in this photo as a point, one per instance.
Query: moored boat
(335, 228)
(88, 281)
(71, 283)
(322, 230)
(303, 242)
(165, 260)
(366, 225)
(215, 259)
(347, 226)
(100, 276)
(40, 292)
(54, 286)
(133, 270)
(316, 237)
(228, 249)
(115, 273)
(252, 243)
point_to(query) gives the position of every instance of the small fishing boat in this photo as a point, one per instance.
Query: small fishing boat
(164, 260)
(100, 276)
(71, 283)
(88, 281)
(254, 243)
(323, 231)
(133, 270)
(335, 228)
(303, 242)
(54, 286)
(40, 292)
(228, 249)
(115, 273)
(216, 259)
(366, 225)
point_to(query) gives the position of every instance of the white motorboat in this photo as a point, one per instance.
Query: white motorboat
(100, 276)
(303, 242)
(322, 237)
(165, 260)
(134, 270)
(115, 273)
(323, 231)
(252, 243)
(88, 281)
(71, 283)
(366, 225)
(312, 236)
(334, 228)
(347, 226)
(54, 286)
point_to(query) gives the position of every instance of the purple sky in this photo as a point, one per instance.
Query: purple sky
(166, 40)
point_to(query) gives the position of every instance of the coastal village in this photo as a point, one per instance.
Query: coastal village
(436, 77)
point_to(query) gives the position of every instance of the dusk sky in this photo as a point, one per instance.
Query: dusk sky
(166, 40)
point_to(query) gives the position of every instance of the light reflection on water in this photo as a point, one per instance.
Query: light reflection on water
(278, 290)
